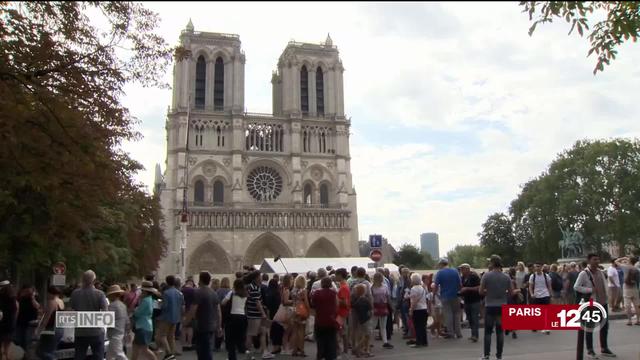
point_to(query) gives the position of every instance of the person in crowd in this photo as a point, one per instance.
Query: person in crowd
(556, 285)
(354, 270)
(50, 335)
(404, 286)
(516, 298)
(436, 311)
(521, 272)
(272, 301)
(88, 298)
(591, 284)
(188, 294)
(418, 311)
(299, 296)
(354, 324)
(235, 319)
(117, 333)
(344, 308)
(29, 308)
(256, 314)
(215, 284)
(540, 287)
(282, 330)
(381, 298)
(205, 309)
(496, 286)
(361, 307)
(448, 281)
(526, 282)
(143, 320)
(312, 276)
(572, 276)
(131, 298)
(630, 289)
(613, 283)
(471, 295)
(223, 290)
(172, 308)
(325, 302)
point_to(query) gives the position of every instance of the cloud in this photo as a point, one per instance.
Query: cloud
(454, 106)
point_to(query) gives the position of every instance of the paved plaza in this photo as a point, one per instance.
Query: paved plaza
(559, 345)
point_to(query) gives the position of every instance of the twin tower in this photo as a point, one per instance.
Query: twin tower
(255, 186)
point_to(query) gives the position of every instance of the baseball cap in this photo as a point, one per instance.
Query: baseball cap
(443, 261)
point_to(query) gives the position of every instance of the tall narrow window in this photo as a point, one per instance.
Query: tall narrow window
(304, 141)
(304, 90)
(201, 80)
(324, 195)
(319, 92)
(218, 85)
(199, 136)
(198, 192)
(220, 135)
(218, 193)
(307, 194)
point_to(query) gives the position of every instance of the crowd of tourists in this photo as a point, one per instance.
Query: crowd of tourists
(343, 311)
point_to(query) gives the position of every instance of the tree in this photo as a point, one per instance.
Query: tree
(66, 187)
(590, 188)
(621, 23)
(411, 256)
(497, 237)
(473, 255)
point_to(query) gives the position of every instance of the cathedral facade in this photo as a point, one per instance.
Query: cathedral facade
(239, 187)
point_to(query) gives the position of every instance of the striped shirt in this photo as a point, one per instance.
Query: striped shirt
(254, 300)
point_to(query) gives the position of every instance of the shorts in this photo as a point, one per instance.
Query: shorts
(165, 329)
(254, 327)
(142, 337)
(631, 296)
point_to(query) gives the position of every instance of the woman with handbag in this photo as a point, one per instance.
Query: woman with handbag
(283, 317)
(381, 298)
(301, 313)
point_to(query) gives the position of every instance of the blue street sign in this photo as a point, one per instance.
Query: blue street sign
(375, 241)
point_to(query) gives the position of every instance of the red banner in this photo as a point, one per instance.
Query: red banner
(540, 317)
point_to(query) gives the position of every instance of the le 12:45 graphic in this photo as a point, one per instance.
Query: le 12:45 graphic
(588, 316)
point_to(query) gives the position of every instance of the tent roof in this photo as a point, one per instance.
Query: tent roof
(302, 265)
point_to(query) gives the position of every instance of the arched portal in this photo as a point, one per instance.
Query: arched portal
(265, 246)
(323, 248)
(210, 257)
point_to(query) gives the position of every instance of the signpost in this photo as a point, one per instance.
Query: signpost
(375, 241)
(58, 278)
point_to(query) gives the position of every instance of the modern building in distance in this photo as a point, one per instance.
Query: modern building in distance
(255, 185)
(430, 243)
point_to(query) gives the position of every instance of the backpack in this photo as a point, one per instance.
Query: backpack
(556, 282)
(363, 309)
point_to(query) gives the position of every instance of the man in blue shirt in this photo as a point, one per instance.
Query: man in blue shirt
(449, 283)
(170, 315)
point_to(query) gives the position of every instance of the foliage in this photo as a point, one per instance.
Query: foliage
(622, 21)
(591, 188)
(498, 237)
(67, 189)
(409, 255)
(473, 255)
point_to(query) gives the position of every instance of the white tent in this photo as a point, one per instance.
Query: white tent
(302, 265)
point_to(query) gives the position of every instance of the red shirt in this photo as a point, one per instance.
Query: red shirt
(344, 294)
(326, 309)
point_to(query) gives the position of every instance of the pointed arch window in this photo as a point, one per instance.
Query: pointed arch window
(308, 197)
(304, 90)
(319, 92)
(324, 195)
(198, 192)
(218, 193)
(201, 80)
(218, 85)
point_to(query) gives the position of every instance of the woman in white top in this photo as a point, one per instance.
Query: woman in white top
(418, 310)
(235, 319)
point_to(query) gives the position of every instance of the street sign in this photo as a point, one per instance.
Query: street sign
(375, 241)
(375, 255)
(59, 268)
(58, 280)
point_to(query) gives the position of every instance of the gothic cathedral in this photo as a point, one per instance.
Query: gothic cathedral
(240, 187)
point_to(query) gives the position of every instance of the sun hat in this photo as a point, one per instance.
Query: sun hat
(114, 289)
(148, 287)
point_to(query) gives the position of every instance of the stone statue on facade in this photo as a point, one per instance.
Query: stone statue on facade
(572, 244)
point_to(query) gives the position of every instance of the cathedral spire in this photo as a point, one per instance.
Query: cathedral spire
(189, 27)
(328, 42)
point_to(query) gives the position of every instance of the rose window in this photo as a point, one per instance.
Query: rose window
(264, 183)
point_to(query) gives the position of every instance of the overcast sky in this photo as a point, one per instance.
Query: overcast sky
(453, 105)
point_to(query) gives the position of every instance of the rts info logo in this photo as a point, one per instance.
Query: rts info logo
(85, 319)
